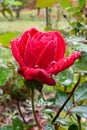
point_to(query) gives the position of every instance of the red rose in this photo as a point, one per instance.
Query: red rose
(41, 54)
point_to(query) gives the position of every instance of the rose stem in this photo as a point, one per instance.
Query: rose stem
(33, 108)
(18, 106)
(60, 110)
(79, 121)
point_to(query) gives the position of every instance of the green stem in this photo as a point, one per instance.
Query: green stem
(60, 110)
(79, 121)
(18, 105)
(33, 108)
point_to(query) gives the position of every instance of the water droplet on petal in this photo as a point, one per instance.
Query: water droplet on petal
(69, 58)
(53, 62)
(36, 66)
(65, 60)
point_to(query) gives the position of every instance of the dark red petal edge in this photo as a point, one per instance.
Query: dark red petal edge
(40, 75)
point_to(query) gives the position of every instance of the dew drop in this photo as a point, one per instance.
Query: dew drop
(53, 62)
(65, 60)
(36, 66)
(69, 58)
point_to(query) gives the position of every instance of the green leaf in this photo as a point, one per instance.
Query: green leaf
(81, 64)
(81, 93)
(13, 3)
(65, 3)
(62, 121)
(61, 98)
(29, 126)
(1, 92)
(80, 109)
(46, 3)
(3, 13)
(9, 2)
(70, 9)
(41, 101)
(6, 128)
(5, 38)
(79, 46)
(73, 127)
(17, 3)
(49, 127)
(77, 41)
(8, 11)
(48, 111)
(17, 124)
(84, 115)
(4, 75)
(50, 102)
(65, 77)
(5, 10)
(48, 28)
(34, 84)
(81, 3)
(62, 128)
(5, 56)
(38, 85)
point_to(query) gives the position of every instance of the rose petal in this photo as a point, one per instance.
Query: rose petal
(22, 40)
(24, 37)
(40, 75)
(16, 53)
(61, 47)
(29, 56)
(47, 55)
(64, 63)
(33, 31)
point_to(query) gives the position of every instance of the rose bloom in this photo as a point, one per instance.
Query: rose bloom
(41, 55)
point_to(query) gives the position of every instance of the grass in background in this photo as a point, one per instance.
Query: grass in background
(27, 20)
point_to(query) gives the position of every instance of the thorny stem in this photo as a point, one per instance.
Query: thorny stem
(33, 109)
(60, 110)
(21, 114)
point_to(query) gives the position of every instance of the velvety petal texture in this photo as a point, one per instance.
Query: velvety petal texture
(41, 54)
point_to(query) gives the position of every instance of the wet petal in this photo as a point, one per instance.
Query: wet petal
(22, 39)
(64, 63)
(33, 31)
(47, 55)
(16, 53)
(40, 75)
(61, 47)
(29, 56)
